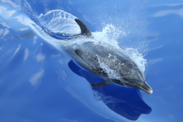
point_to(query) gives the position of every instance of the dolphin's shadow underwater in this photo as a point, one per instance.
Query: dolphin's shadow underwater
(126, 102)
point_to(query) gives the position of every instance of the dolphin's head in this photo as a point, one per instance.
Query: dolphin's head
(136, 79)
(132, 76)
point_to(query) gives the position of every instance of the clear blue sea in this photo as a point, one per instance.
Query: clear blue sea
(40, 82)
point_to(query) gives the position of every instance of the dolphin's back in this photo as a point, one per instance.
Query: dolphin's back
(100, 59)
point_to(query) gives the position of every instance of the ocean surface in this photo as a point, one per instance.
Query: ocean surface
(40, 82)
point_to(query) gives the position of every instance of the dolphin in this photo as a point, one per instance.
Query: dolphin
(101, 60)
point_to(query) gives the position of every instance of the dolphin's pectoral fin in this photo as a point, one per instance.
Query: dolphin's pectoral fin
(118, 82)
(103, 83)
(27, 35)
(84, 30)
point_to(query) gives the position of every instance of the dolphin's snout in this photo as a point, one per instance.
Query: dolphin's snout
(145, 87)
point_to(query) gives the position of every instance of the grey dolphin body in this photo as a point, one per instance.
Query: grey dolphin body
(102, 60)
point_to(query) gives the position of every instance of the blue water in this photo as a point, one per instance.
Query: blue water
(40, 82)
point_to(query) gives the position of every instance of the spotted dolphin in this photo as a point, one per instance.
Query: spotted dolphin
(101, 60)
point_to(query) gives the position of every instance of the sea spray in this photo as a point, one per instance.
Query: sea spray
(59, 21)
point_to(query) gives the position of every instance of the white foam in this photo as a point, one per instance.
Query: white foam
(137, 57)
(59, 21)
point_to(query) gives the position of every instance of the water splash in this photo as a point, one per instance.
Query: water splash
(137, 57)
(111, 34)
(59, 21)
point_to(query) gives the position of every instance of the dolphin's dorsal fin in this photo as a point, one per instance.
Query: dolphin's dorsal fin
(84, 30)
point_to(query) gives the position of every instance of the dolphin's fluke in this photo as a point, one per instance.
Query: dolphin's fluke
(84, 30)
(103, 83)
